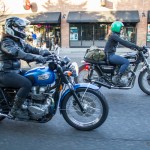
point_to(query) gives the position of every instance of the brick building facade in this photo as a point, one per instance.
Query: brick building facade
(75, 31)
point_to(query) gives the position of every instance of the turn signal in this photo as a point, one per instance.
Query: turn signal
(69, 73)
(60, 87)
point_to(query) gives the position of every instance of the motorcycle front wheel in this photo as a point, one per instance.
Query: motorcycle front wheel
(95, 107)
(85, 74)
(144, 81)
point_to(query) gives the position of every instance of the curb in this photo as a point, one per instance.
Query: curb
(82, 50)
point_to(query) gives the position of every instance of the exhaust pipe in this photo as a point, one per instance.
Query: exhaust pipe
(4, 115)
(114, 87)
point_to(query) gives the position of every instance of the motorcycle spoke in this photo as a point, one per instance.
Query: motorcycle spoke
(91, 112)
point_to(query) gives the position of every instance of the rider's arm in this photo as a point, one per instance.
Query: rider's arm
(9, 47)
(31, 49)
(34, 50)
(124, 42)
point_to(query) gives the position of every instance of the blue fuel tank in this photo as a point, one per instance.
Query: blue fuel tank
(41, 76)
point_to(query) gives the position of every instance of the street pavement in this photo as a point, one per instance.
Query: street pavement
(126, 128)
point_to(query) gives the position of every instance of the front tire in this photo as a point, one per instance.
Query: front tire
(143, 81)
(94, 104)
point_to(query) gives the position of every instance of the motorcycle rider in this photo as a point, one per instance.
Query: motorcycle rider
(13, 49)
(110, 49)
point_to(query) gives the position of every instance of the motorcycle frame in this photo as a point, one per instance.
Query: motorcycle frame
(140, 58)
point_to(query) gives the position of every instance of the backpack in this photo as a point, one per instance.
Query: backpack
(94, 54)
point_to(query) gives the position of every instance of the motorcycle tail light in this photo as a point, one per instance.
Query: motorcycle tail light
(87, 67)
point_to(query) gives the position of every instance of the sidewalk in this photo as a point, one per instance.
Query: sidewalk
(82, 50)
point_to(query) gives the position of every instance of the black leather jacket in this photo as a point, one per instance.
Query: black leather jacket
(114, 40)
(12, 50)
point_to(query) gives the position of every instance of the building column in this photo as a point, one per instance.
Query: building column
(64, 31)
(141, 30)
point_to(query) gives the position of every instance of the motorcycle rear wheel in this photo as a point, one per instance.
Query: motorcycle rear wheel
(83, 74)
(94, 104)
(143, 82)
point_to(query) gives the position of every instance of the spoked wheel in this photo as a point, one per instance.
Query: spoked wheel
(85, 75)
(95, 107)
(144, 81)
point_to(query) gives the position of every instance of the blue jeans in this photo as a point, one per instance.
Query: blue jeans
(118, 60)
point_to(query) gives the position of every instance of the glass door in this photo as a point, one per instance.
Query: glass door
(75, 35)
(100, 31)
(131, 34)
(87, 35)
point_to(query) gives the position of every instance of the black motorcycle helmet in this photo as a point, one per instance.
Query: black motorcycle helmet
(15, 27)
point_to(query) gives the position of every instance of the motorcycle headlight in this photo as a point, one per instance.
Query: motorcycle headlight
(75, 69)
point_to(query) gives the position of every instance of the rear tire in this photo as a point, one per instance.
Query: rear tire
(95, 105)
(83, 74)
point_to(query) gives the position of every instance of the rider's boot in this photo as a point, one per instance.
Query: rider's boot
(17, 111)
(117, 80)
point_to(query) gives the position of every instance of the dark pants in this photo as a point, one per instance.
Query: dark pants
(118, 60)
(14, 80)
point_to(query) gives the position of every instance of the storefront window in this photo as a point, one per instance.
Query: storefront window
(75, 35)
(148, 35)
(129, 34)
(87, 34)
(46, 33)
(100, 33)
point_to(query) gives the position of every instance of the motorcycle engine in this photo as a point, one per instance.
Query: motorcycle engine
(40, 104)
(125, 77)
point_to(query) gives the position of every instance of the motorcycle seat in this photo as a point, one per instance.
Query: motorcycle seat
(103, 62)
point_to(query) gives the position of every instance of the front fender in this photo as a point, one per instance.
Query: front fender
(76, 86)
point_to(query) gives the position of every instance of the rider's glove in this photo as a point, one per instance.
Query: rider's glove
(44, 52)
(40, 59)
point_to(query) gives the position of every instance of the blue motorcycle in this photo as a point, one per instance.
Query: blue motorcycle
(82, 105)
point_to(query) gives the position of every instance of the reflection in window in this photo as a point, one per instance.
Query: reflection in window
(100, 31)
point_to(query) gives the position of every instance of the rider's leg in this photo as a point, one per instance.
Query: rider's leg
(118, 60)
(24, 85)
